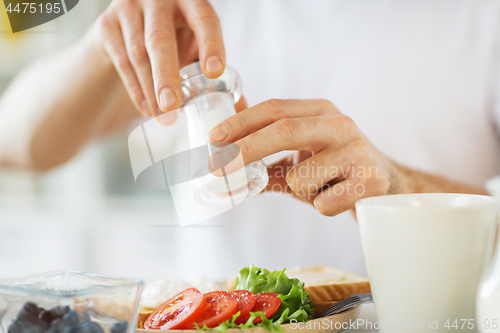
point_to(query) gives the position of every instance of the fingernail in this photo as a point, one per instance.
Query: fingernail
(220, 159)
(219, 132)
(167, 98)
(167, 118)
(214, 64)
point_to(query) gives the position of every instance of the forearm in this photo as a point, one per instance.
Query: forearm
(412, 181)
(57, 105)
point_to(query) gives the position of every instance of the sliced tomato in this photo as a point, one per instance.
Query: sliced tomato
(246, 301)
(178, 311)
(220, 307)
(268, 303)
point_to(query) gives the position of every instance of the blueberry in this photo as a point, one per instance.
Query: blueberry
(25, 315)
(14, 328)
(69, 329)
(24, 324)
(90, 327)
(71, 318)
(57, 324)
(27, 326)
(119, 327)
(58, 311)
(66, 309)
(31, 308)
(52, 330)
(46, 316)
(84, 316)
(32, 329)
(42, 325)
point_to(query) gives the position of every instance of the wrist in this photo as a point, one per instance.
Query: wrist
(405, 180)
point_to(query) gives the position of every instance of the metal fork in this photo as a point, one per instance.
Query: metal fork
(345, 304)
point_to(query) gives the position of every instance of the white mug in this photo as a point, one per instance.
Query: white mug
(425, 254)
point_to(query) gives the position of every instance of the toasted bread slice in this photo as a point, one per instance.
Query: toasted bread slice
(325, 283)
(143, 315)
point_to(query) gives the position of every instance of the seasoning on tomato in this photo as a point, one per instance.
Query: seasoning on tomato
(178, 311)
(220, 307)
(246, 301)
(268, 303)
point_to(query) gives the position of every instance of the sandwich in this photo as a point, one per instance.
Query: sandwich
(254, 298)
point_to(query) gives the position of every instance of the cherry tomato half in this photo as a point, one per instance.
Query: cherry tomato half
(221, 305)
(178, 311)
(268, 303)
(246, 301)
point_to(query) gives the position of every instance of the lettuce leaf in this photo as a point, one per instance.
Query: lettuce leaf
(268, 324)
(295, 301)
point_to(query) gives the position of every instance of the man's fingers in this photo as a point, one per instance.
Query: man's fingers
(186, 45)
(266, 113)
(310, 177)
(167, 118)
(132, 26)
(160, 37)
(340, 197)
(278, 171)
(205, 24)
(285, 134)
(328, 167)
(115, 48)
(277, 175)
(362, 181)
(241, 105)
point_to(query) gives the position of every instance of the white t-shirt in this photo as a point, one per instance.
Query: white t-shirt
(420, 79)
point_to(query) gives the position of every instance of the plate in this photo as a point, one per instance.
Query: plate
(329, 324)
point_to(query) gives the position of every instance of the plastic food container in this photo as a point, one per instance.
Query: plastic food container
(69, 302)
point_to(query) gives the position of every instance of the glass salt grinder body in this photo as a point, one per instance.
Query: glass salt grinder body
(214, 101)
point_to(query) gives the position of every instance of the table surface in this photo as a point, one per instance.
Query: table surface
(368, 315)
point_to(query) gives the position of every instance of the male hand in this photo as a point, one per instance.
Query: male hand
(335, 164)
(149, 40)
